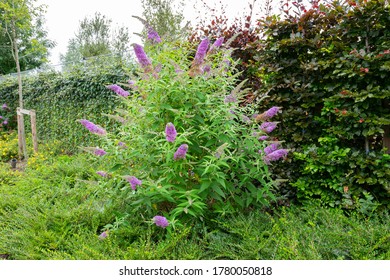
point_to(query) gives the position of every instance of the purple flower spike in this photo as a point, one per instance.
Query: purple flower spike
(4, 106)
(262, 138)
(122, 145)
(271, 148)
(268, 127)
(181, 152)
(276, 155)
(271, 112)
(218, 42)
(142, 57)
(118, 90)
(103, 235)
(102, 173)
(170, 132)
(134, 182)
(100, 152)
(93, 128)
(153, 36)
(161, 221)
(201, 52)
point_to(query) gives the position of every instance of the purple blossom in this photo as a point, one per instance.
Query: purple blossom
(262, 138)
(118, 90)
(102, 173)
(134, 182)
(4, 107)
(276, 155)
(181, 152)
(160, 221)
(206, 68)
(218, 42)
(153, 36)
(100, 152)
(170, 132)
(268, 127)
(1, 117)
(5, 122)
(201, 51)
(93, 128)
(103, 235)
(271, 112)
(142, 57)
(271, 148)
(122, 145)
(246, 119)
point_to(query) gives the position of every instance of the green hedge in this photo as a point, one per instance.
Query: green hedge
(329, 70)
(60, 99)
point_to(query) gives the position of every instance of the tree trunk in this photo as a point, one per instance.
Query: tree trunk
(21, 132)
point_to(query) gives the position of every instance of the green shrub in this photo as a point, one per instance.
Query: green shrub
(213, 159)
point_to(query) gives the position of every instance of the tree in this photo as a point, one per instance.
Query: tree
(33, 44)
(19, 19)
(163, 16)
(96, 37)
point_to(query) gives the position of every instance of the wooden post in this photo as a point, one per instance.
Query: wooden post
(21, 134)
(34, 130)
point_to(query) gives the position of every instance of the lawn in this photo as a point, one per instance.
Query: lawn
(56, 209)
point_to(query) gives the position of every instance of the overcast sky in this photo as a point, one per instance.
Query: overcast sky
(63, 16)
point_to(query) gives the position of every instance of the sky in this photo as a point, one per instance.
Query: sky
(63, 16)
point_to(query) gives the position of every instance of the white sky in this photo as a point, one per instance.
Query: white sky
(63, 16)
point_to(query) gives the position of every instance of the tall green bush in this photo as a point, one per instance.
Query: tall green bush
(187, 147)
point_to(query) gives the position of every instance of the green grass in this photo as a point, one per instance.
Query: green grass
(58, 210)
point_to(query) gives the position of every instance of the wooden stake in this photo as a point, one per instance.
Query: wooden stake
(34, 130)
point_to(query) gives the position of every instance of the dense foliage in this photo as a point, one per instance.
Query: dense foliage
(329, 69)
(60, 99)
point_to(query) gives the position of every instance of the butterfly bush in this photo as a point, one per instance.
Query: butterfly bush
(189, 140)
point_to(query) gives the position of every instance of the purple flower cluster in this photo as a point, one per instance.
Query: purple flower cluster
(134, 182)
(271, 148)
(271, 112)
(275, 155)
(218, 43)
(181, 152)
(93, 127)
(201, 51)
(268, 127)
(103, 235)
(142, 57)
(263, 138)
(100, 152)
(118, 90)
(122, 145)
(4, 106)
(170, 132)
(153, 36)
(102, 173)
(160, 221)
